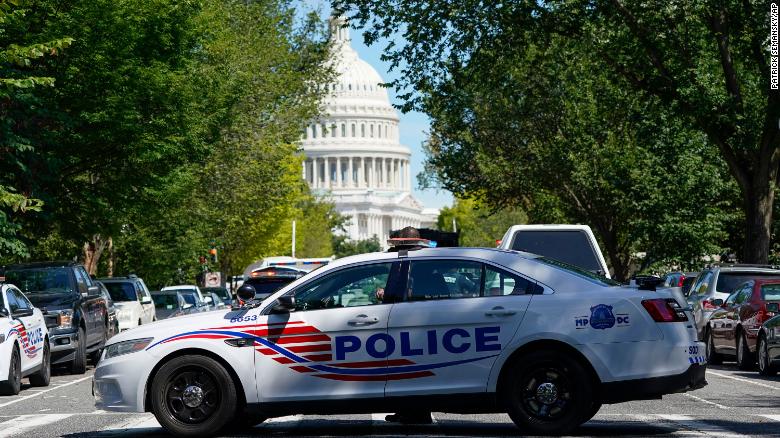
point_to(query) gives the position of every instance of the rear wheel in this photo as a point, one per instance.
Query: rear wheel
(549, 393)
(193, 396)
(43, 376)
(79, 363)
(713, 357)
(765, 367)
(745, 359)
(13, 385)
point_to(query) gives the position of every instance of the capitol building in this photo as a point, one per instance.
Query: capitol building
(353, 154)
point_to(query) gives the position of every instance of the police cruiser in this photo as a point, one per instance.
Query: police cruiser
(462, 330)
(24, 342)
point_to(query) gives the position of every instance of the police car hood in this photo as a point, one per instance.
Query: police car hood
(167, 327)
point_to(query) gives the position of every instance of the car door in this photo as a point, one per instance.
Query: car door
(456, 317)
(334, 344)
(91, 308)
(29, 328)
(147, 303)
(720, 322)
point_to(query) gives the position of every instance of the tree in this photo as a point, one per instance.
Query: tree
(344, 247)
(477, 224)
(706, 62)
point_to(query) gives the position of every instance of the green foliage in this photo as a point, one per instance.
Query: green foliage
(343, 247)
(477, 224)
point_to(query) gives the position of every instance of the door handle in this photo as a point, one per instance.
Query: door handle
(363, 320)
(500, 311)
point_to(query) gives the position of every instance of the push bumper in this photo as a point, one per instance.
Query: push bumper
(654, 387)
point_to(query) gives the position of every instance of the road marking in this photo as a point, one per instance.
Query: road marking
(285, 419)
(706, 401)
(138, 421)
(24, 423)
(770, 416)
(739, 379)
(699, 426)
(379, 417)
(43, 392)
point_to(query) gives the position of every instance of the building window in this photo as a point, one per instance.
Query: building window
(372, 130)
(333, 130)
(353, 130)
(313, 131)
(343, 130)
(362, 130)
(324, 131)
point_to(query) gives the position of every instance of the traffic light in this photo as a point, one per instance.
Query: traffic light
(213, 254)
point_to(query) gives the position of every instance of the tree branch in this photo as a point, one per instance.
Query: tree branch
(729, 73)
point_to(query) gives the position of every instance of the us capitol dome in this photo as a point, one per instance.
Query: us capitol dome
(353, 154)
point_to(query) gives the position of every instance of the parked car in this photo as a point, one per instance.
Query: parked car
(170, 304)
(191, 296)
(187, 287)
(24, 342)
(718, 282)
(269, 280)
(224, 295)
(113, 321)
(66, 289)
(768, 346)
(683, 280)
(216, 301)
(132, 300)
(733, 327)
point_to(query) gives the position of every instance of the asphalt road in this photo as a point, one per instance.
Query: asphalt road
(735, 403)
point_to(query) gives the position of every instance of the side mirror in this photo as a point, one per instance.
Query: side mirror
(208, 300)
(93, 290)
(3, 311)
(717, 302)
(246, 292)
(187, 306)
(21, 313)
(773, 307)
(284, 304)
(146, 300)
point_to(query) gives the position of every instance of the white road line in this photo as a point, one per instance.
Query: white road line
(739, 379)
(706, 401)
(379, 417)
(25, 423)
(43, 392)
(700, 426)
(770, 416)
(137, 421)
(286, 419)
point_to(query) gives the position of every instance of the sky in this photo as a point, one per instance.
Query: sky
(413, 125)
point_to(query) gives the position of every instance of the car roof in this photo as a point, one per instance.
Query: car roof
(762, 281)
(118, 279)
(164, 292)
(42, 265)
(746, 268)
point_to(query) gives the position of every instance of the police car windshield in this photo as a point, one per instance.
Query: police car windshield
(582, 273)
(50, 280)
(121, 291)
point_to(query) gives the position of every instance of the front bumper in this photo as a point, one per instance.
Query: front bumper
(64, 343)
(119, 383)
(655, 387)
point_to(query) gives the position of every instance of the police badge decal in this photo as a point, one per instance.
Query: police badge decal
(601, 317)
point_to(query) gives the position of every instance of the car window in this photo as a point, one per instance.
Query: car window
(731, 298)
(166, 301)
(499, 282)
(727, 281)
(2, 299)
(770, 292)
(572, 247)
(139, 290)
(121, 291)
(444, 279)
(49, 280)
(703, 285)
(21, 300)
(358, 286)
(81, 281)
(743, 294)
(13, 305)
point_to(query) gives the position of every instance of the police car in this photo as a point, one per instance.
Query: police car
(462, 330)
(24, 342)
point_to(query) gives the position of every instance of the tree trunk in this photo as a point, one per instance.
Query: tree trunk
(111, 258)
(92, 252)
(759, 199)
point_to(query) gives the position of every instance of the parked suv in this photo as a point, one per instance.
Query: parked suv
(717, 283)
(133, 302)
(66, 288)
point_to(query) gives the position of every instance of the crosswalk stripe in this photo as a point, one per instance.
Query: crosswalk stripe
(137, 421)
(770, 416)
(699, 426)
(285, 419)
(51, 388)
(24, 423)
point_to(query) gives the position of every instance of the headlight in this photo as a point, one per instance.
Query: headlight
(126, 347)
(66, 317)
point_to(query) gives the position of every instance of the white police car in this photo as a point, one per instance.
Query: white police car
(459, 330)
(24, 342)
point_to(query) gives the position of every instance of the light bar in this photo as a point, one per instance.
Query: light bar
(411, 241)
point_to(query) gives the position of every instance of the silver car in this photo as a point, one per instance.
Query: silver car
(717, 283)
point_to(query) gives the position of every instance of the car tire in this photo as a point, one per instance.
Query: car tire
(43, 376)
(745, 359)
(193, 395)
(13, 385)
(79, 363)
(762, 350)
(549, 393)
(713, 357)
(94, 357)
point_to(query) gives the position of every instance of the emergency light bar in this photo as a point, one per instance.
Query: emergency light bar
(401, 242)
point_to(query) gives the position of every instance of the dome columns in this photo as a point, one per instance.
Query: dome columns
(357, 171)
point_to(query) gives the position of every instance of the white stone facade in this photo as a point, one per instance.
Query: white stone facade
(353, 153)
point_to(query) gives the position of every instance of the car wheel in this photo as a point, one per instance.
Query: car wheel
(13, 385)
(713, 357)
(594, 409)
(549, 393)
(79, 363)
(764, 366)
(745, 359)
(43, 376)
(193, 396)
(94, 357)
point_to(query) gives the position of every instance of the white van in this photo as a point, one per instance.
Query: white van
(572, 244)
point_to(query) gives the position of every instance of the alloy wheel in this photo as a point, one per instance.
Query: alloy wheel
(192, 395)
(546, 393)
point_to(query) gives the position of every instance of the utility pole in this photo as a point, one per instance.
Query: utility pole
(293, 238)
(454, 225)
